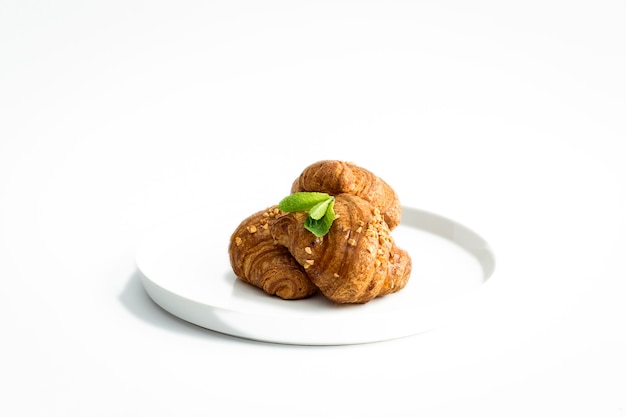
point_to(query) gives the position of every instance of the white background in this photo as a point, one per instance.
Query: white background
(508, 117)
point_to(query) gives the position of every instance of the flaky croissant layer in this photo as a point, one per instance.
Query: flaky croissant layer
(258, 260)
(339, 177)
(356, 261)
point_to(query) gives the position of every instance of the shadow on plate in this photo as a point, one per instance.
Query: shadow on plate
(136, 300)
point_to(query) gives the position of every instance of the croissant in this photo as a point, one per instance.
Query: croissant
(257, 260)
(356, 261)
(336, 177)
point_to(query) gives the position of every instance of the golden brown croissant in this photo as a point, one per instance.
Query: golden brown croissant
(337, 177)
(356, 261)
(258, 260)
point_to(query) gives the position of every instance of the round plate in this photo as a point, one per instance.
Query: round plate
(185, 269)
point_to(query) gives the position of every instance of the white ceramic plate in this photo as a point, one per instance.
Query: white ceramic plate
(185, 269)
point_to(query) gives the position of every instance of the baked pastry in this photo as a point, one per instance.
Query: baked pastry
(257, 260)
(351, 259)
(337, 177)
(356, 261)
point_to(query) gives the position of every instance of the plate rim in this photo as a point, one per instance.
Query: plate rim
(216, 316)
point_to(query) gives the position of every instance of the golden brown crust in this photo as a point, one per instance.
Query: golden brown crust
(337, 177)
(398, 271)
(356, 261)
(256, 259)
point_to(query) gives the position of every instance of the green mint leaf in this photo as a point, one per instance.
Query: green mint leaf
(302, 201)
(319, 227)
(319, 210)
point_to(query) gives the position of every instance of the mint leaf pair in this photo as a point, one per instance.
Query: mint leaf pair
(320, 207)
